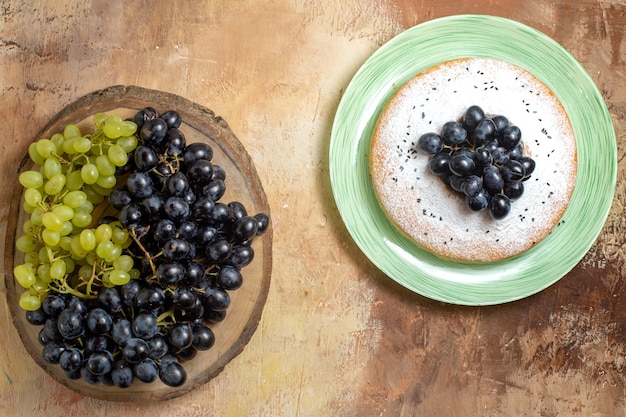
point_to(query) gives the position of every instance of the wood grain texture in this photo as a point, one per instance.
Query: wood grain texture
(337, 337)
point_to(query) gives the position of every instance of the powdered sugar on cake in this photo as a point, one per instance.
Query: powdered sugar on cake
(422, 206)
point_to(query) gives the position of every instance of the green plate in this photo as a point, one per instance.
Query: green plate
(423, 47)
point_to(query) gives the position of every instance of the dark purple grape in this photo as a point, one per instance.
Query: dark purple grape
(529, 165)
(99, 321)
(129, 292)
(145, 325)
(53, 305)
(187, 230)
(218, 251)
(203, 337)
(237, 210)
(144, 115)
(196, 151)
(510, 137)
(71, 359)
(512, 171)
(263, 222)
(216, 299)
(482, 157)
(229, 278)
(121, 331)
(146, 370)
(244, 228)
(122, 374)
(170, 273)
(174, 142)
(132, 216)
(214, 316)
(499, 206)
(500, 122)
(172, 374)
(158, 346)
(150, 298)
(439, 164)
(145, 158)
(153, 206)
(96, 343)
(119, 198)
(194, 273)
(241, 256)
(135, 350)
(203, 208)
(164, 230)
(477, 202)
(110, 300)
(492, 179)
(52, 351)
(215, 189)
(219, 173)
(70, 324)
(36, 317)
(177, 184)
(514, 190)
(180, 336)
(462, 165)
(100, 362)
(472, 116)
(51, 329)
(453, 133)
(483, 133)
(500, 156)
(176, 209)
(200, 172)
(471, 185)
(430, 143)
(153, 131)
(172, 118)
(179, 249)
(184, 298)
(139, 184)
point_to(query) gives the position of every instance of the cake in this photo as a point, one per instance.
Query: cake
(427, 210)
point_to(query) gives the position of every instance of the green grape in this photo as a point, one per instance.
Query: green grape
(29, 302)
(117, 155)
(43, 272)
(71, 131)
(65, 243)
(128, 128)
(105, 249)
(57, 269)
(46, 148)
(82, 219)
(128, 143)
(55, 184)
(82, 145)
(100, 190)
(92, 195)
(74, 181)
(25, 275)
(58, 140)
(68, 145)
(43, 255)
(118, 277)
(105, 166)
(112, 126)
(103, 232)
(51, 167)
(86, 207)
(74, 199)
(89, 173)
(51, 237)
(34, 155)
(134, 273)
(99, 119)
(88, 239)
(66, 229)
(84, 272)
(31, 179)
(70, 265)
(35, 216)
(29, 228)
(77, 249)
(39, 288)
(124, 263)
(28, 208)
(51, 220)
(25, 243)
(64, 212)
(33, 196)
(31, 258)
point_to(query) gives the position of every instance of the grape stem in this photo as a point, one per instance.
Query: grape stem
(133, 234)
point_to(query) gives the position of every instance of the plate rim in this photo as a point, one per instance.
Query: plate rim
(345, 102)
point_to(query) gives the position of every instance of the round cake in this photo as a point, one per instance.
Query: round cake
(424, 207)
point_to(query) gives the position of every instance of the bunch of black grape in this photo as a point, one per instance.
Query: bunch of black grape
(189, 248)
(482, 158)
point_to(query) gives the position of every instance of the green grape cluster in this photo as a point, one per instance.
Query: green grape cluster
(73, 173)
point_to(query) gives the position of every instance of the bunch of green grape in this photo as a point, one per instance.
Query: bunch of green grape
(73, 173)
